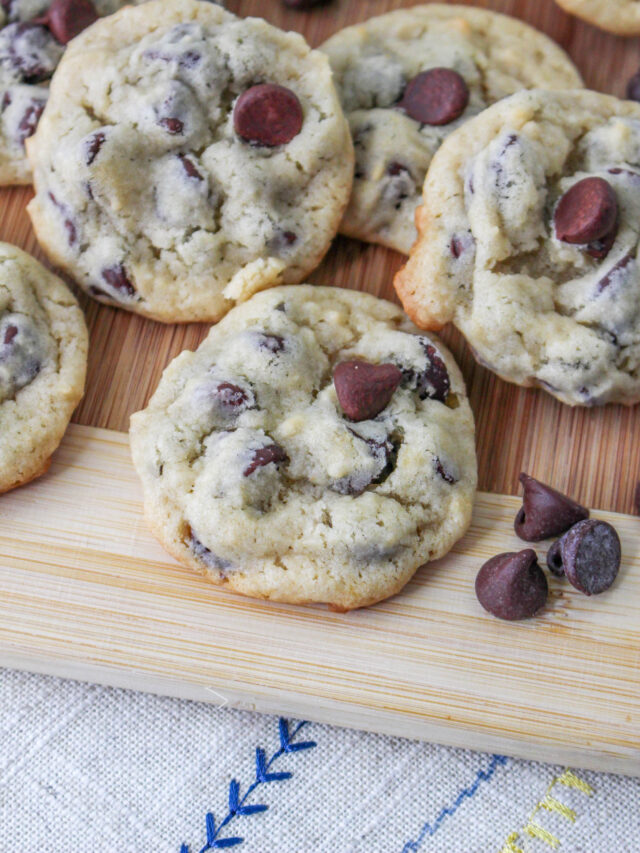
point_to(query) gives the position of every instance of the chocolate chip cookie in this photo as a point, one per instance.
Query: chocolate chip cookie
(43, 359)
(529, 237)
(32, 40)
(409, 79)
(315, 448)
(616, 16)
(188, 158)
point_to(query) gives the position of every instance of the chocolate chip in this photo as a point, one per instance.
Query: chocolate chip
(206, 555)
(29, 121)
(633, 87)
(447, 476)
(271, 343)
(385, 454)
(589, 555)
(512, 585)
(265, 456)
(399, 186)
(33, 52)
(599, 249)
(9, 334)
(93, 146)
(190, 168)
(282, 240)
(394, 168)
(587, 212)
(66, 18)
(364, 389)
(612, 275)
(117, 278)
(456, 247)
(435, 97)
(545, 512)
(171, 125)
(188, 59)
(72, 234)
(267, 114)
(433, 382)
(554, 560)
(231, 396)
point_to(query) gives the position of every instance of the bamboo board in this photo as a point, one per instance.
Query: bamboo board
(89, 594)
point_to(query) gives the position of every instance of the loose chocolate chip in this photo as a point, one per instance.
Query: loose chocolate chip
(554, 559)
(545, 512)
(29, 120)
(447, 476)
(633, 87)
(589, 555)
(66, 18)
(116, 276)
(265, 456)
(587, 212)
(512, 586)
(267, 114)
(93, 146)
(364, 389)
(438, 96)
(171, 125)
(272, 343)
(190, 168)
(9, 334)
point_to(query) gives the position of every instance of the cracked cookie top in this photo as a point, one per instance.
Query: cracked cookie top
(315, 448)
(187, 159)
(529, 240)
(43, 355)
(407, 80)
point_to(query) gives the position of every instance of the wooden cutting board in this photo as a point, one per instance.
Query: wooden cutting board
(86, 592)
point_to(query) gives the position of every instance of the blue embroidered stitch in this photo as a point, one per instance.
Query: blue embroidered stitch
(237, 807)
(466, 793)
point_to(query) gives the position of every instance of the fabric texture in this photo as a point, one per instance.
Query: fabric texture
(84, 767)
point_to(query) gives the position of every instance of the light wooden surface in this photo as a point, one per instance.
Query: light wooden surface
(86, 591)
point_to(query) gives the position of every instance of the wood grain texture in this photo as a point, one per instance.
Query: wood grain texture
(590, 453)
(87, 592)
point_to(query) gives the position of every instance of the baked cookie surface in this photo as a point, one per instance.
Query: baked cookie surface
(43, 358)
(616, 16)
(528, 243)
(29, 54)
(187, 159)
(400, 111)
(254, 474)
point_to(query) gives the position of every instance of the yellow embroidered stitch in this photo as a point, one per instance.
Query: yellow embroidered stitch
(550, 804)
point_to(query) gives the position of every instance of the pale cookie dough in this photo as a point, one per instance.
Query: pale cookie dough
(43, 359)
(146, 192)
(29, 54)
(254, 475)
(616, 16)
(494, 54)
(536, 309)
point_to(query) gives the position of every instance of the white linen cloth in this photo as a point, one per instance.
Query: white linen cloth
(88, 768)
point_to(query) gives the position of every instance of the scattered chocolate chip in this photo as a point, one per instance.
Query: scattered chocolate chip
(364, 389)
(171, 125)
(93, 146)
(272, 343)
(190, 168)
(447, 476)
(66, 18)
(633, 87)
(436, 97)
(545, 512)
(268, 114)
(9, 334)
(29, 120)
(587, 212)
(265, 456)
(512, 586)
(589, 555)
(554, 560)
(117, 278)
